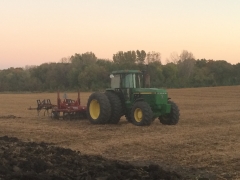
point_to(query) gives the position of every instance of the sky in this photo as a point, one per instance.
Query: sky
(33, 32)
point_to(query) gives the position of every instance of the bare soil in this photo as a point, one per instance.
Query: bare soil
(41, 161)
(205, 143)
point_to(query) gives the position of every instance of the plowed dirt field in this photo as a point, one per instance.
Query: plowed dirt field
(204, 144)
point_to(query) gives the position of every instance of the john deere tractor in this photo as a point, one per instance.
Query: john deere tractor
(131, 96)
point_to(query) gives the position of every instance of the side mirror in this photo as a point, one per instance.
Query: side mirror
(111, 76)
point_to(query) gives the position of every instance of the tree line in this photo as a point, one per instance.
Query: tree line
(88, 73)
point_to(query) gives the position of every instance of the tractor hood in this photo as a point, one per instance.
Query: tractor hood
(149, 91)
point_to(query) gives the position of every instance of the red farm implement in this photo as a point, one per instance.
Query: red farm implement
(68, 108)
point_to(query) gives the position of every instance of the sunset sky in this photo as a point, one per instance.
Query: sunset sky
(33, 32)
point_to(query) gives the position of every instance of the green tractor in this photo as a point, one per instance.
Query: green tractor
(131, 96)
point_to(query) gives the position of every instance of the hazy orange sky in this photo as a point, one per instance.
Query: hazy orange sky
(37, 31)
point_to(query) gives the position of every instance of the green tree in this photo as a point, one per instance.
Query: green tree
(223, 72)
(153, 56)
(94, 77)
(236, 74)
(155, 72)
(14, 79)
(72, 77)
(125, 60)
(80, 61)
(185, 66)
(170, 72)
(106, 64)
(141, 56)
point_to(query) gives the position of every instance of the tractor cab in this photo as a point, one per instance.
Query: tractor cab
(125, 81)
(129, 79)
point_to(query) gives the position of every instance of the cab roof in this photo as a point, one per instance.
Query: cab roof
(127, 72)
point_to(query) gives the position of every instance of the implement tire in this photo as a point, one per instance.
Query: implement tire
(98, 108)
(173, 117)
(141, 114)
(116, 107)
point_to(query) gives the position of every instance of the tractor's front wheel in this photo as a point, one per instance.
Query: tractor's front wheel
(141, 114)
(98, 108)
(173, 117)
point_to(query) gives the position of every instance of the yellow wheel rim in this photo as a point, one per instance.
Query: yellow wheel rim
(94, 109)
(138, 115)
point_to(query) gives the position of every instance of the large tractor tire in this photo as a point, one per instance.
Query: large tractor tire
(116, 107)
(98, 108)
(141, 114)
(173, 117)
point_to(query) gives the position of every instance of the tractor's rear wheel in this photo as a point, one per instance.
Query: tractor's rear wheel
(98, 108)
(116, 107)
(141, 114)
(173, 117)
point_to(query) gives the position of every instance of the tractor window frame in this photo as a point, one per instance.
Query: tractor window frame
(138, 80)
(131, 80)
(115, 81)
(128, 80)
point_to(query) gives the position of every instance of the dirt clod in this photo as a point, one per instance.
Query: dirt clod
(30, 160)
